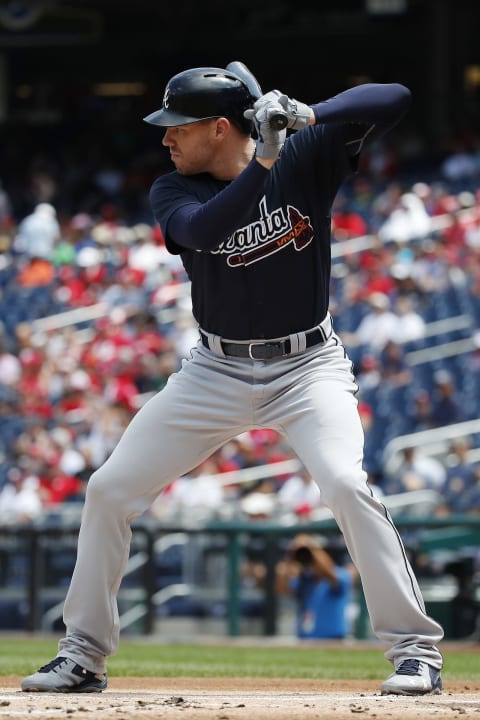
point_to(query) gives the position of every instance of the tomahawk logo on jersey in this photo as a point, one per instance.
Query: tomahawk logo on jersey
(271, 233)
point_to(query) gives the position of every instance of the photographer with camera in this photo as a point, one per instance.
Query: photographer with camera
(321, 588)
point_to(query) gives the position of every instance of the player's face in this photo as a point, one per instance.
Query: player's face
(190, 146)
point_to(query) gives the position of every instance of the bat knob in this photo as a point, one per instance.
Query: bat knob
(278, 120)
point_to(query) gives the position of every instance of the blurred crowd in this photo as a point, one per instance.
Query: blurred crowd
(95, 315)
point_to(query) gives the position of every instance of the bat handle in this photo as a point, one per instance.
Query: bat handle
(277, 119)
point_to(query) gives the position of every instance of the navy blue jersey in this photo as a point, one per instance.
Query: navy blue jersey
(270, 277)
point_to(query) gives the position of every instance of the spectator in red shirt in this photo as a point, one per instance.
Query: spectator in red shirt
(346, 223)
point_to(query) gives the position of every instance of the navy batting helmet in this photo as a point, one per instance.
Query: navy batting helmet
(201, 93)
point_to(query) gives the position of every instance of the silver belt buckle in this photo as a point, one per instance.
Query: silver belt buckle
(250, 345)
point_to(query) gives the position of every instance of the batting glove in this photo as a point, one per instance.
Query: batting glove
(269, 140)
(298, 114)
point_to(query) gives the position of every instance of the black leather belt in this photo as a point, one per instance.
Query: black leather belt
(267, 350)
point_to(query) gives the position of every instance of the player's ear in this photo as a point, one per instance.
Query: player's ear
(222, 126)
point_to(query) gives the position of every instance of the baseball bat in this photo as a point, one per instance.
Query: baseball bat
(278, 119)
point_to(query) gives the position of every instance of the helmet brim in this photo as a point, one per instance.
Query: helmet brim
(168, 118)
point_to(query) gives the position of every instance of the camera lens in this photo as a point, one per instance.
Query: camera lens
(303, 555)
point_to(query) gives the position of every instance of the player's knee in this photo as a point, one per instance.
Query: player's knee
(112, 492)
(100, 490)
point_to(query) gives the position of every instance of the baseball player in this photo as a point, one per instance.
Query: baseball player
(250, 218)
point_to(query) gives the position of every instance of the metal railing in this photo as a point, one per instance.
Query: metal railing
(144, 599)
(434, 442)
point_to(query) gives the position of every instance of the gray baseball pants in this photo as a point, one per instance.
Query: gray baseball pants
(310, 399)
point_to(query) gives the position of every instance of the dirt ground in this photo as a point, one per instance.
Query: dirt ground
(238, 699)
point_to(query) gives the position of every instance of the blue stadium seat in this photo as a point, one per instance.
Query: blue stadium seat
(12, 614)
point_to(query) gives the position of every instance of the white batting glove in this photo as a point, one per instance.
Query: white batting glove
(269, 140)
(298, 114)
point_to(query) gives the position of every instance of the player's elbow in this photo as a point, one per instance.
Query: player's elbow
(399, 100)
(403, 95)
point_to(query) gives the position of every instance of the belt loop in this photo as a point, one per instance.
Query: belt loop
(214, 343)
(327, 326)
(302, 342)
(293, 343)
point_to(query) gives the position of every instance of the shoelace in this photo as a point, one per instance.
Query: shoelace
(409, 667)
(52, 664)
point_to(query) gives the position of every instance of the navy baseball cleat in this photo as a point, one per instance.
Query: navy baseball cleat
(63, 675)
(413, 677)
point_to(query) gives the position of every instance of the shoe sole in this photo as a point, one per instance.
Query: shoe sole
(77, 689)
(434, 691)
(63, 690)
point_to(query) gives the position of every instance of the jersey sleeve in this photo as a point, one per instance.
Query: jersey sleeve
(190, 221)
(368, 111)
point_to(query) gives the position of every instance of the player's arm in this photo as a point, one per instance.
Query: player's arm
(370, 110)
(324, 567)
(286, 571)
(203, 226)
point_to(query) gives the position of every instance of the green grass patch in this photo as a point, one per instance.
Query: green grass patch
(136, 659)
